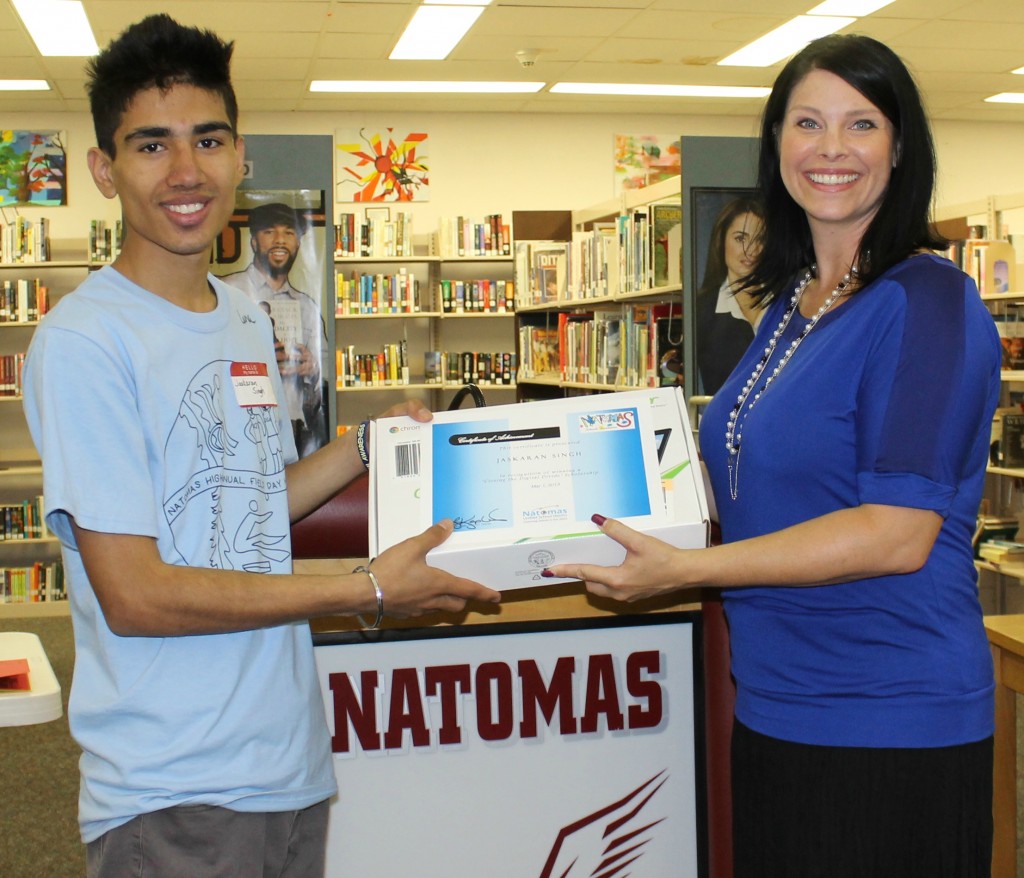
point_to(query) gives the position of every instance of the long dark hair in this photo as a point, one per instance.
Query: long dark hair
(901, 226)
(715, 270)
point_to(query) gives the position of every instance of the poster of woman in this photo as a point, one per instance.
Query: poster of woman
(727, 231)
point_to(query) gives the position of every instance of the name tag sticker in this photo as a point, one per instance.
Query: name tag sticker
(252, 385)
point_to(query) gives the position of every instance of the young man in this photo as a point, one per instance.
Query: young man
(171, 478)
(276, 232)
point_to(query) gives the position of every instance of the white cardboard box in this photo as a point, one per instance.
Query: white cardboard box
(521, 482)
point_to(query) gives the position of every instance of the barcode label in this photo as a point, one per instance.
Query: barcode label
(407, 459)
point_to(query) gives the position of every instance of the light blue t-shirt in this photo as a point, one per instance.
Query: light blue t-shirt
(889, 400)
(131, 403)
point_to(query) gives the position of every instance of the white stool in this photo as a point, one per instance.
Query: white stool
(39, 704)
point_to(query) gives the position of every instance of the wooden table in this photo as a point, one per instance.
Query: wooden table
(1006, 635)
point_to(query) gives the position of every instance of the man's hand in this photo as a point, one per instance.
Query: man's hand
(411, 587)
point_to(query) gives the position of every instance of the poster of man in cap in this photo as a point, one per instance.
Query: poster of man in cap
(285, 275)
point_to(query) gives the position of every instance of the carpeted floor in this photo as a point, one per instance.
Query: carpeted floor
(39, 778)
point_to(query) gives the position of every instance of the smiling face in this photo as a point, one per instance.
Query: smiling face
(176, 168)
(274, 249)
(742, 245)
(836, 154)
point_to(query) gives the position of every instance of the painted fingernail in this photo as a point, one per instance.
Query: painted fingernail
(599, 520)
(546, 572)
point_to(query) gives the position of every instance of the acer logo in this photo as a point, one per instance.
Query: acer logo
(501, 700)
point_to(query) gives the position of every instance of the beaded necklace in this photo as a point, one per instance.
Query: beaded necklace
(745, 402)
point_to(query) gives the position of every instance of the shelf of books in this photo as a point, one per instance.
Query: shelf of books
(602, 310)
(982, 244)
(35, 273)
(420, 316)
(31, 574)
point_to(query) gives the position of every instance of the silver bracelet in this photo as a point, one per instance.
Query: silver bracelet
(380, 599)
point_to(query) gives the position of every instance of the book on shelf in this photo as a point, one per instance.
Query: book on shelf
(1001, 551)
(667, 243)
(433, 367)
(372, 235)
(591, 346)
(992, 263)
(482, 296)
(23, 520)
(541, 271)
(594, 263)
(11, 368)
(462, 236)
(1011, 440)
(634, 251)
(1011, 337)
(23, 300)
(105, 240)
(478, 367)
(538, 351)
(37, 583)
(25, 240)
(651, 333)
(387, 367)
(380, 293)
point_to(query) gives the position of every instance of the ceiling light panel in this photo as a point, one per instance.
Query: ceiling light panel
(434, 31)
(785, 40)
(59, 28)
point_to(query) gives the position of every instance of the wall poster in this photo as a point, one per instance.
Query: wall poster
(536, 750)
(644, 159)
(33, 168)
(726, 240)
(273, 250)
(381, 165)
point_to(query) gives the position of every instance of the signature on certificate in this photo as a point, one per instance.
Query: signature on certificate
(473, 522)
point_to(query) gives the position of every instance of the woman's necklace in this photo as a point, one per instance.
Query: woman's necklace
(745, 402)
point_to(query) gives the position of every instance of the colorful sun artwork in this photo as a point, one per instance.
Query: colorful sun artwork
(383, 167)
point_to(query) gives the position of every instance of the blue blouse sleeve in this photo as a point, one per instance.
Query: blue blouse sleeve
(928, 390)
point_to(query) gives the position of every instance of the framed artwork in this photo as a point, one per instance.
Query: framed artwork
(643, 159)
(381, 166)
(33, 168)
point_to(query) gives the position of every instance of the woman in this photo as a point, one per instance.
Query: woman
(726, 312)
(847, 454)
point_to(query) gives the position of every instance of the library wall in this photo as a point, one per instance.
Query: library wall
(505, 161)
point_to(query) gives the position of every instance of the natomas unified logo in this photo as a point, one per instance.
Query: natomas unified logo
(608, 842)
(596, 422)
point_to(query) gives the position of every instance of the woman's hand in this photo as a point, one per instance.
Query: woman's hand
(648, 569)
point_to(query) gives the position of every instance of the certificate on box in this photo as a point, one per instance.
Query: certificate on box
(517, 473)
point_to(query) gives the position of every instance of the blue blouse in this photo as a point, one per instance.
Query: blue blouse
(889, 400)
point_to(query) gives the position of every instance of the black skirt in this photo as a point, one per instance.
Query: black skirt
(805, 811)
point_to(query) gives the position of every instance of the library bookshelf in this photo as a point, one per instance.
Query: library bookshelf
(596, 312)
(982, 232)
(422, 344)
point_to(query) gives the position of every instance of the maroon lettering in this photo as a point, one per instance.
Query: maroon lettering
(449, 680)
(602, 696)
(537, 696)
(618, 692)
(494, 692)
(647, 715)
(362, 713)
(406, 710)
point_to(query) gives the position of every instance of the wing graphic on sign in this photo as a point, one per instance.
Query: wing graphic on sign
(606, 843)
